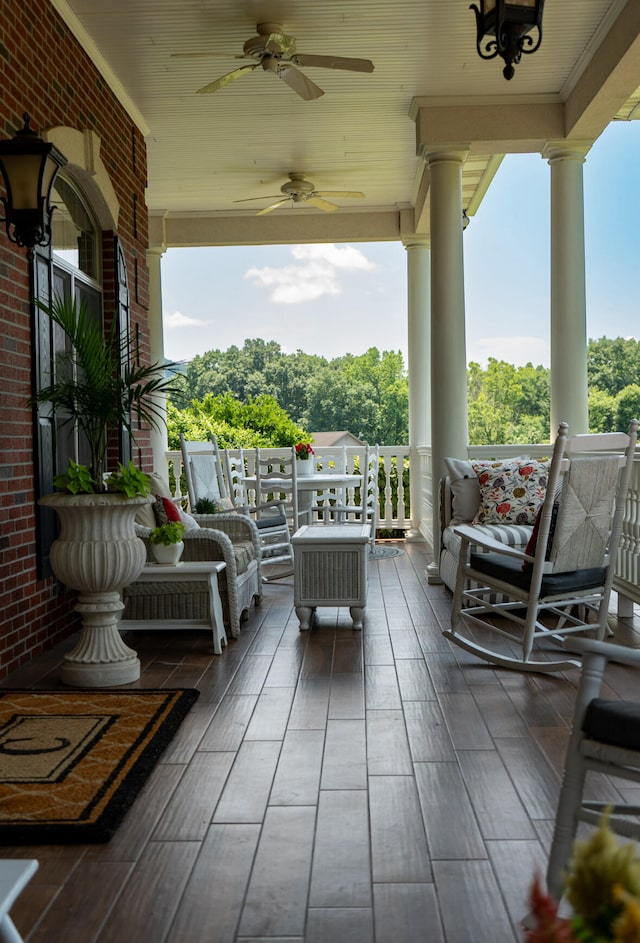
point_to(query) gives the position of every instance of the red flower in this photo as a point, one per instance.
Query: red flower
(503, 508)
(304, 450)
(549, 927)
(525, 470)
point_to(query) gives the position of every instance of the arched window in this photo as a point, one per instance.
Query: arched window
(75, 238)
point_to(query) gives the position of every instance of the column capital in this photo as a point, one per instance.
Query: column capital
(456, 153)
(416, 242)
(566, 150)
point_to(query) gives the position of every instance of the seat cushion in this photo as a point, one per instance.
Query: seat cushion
(512, 535)
(613, 722)
(244, 553)
(509, 570)
(275, 520)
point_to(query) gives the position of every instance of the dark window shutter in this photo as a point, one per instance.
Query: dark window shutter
(44, 420)
(124, 332)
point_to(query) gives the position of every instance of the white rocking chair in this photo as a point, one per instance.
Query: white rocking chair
(518, 599)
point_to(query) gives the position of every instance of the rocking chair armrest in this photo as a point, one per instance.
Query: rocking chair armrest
(610, 651)
(470, 535)
(268, 505)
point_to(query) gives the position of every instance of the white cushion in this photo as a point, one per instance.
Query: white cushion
(465, 490)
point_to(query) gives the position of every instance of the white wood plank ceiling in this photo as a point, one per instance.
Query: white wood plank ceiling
(206, 152)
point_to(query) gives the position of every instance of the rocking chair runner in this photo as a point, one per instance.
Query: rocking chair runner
(518, 598)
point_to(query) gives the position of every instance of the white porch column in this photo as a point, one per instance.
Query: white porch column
(158, 436)
(449, 427)
(449, 424)
(419, 369)
(569, 399)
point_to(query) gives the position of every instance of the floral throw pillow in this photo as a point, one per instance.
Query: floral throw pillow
(511, 492)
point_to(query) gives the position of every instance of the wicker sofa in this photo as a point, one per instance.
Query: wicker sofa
(459, 503)
(230, 537)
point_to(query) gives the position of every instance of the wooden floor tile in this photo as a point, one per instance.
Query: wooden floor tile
(471, 906)
(398, 841)
(346, 924)
(345, 755)
(246, 791)
(276, 899)
(388, 750)
(220, 878)
(297, 779)
(456, 834)
(406, 913)
(341, 874)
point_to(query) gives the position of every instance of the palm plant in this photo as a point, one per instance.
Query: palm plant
(98, 384)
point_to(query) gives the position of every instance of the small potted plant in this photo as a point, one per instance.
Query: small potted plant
(303, 456)
(166, 542)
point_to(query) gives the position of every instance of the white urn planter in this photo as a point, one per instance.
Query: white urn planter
(304, 467)
(168, 554)
(98, 553)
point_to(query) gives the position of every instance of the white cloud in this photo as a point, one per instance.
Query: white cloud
(515, 350)
(315, 278)
(172, 322)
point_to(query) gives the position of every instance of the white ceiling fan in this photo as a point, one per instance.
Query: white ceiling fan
(299, 190)
(275, 51)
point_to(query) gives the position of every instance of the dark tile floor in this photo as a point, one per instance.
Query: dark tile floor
(327, 786)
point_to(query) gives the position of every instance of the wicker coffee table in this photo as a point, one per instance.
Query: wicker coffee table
(330, 569)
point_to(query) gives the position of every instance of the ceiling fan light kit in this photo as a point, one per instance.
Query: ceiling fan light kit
(275, 51)
(299, 190)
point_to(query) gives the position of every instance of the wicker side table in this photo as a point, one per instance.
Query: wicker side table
(330, 569)
(187, 572)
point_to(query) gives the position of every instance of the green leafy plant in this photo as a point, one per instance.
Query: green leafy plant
(129, 480)
(100, 386)
(171, 533)
(77, 479)
(206, 506)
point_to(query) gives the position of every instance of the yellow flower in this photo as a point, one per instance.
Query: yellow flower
(598, 864)
(626, 927)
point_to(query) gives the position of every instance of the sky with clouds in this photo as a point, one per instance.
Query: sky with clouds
(337, 299)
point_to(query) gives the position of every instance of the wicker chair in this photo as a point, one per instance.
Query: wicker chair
(229, 537)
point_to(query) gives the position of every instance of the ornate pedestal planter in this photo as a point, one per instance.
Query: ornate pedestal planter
(96, 554)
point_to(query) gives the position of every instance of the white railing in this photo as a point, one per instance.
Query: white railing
(394, 501)
(627, 578)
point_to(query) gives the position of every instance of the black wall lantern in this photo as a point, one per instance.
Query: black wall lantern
(510, 25)
(29, 166)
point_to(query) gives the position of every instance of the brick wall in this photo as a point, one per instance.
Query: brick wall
(44, 71)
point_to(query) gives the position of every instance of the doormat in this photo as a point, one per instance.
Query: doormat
(378, 552)
(72, 762)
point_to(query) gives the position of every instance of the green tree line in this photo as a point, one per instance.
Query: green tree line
(259, 395)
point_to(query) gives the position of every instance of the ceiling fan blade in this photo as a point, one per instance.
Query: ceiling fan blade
(349, 193)
(299, 82)
(321, 204)
(333, 62)
(267, 196)
(274, 206)
(225, 79)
